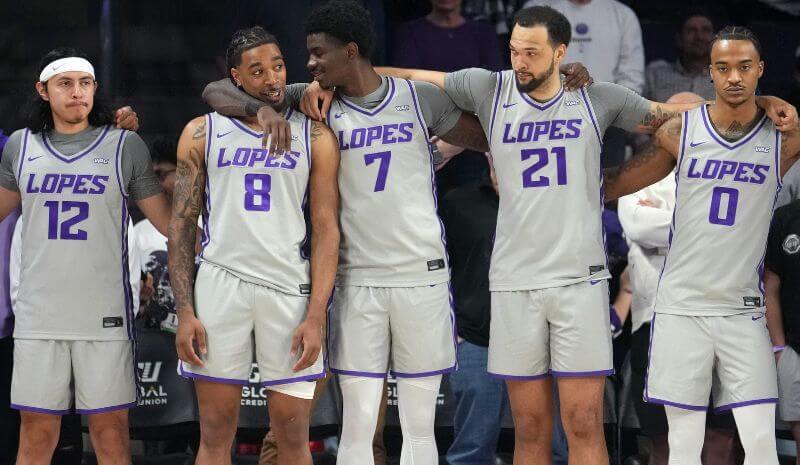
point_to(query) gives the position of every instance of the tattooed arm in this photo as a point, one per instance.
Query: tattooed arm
(779, 111)
(324, 208)
(648, 166)
(467, 133)
(186, 207)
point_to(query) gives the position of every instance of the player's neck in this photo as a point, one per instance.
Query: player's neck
(446, 19)
(547, 90)
(362, 83)
(65, 127)
(733, 121)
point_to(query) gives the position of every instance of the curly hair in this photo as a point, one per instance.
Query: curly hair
(346, 21)
(37, 112)
(245, 39)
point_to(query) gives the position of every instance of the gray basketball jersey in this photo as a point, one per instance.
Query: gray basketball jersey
(547, 159)
(74, 274)
(725, 197)
(391, 234)
(253, 221)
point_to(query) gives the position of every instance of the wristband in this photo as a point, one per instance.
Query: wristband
(776, 349)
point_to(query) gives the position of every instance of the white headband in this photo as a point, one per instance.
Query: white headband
(65, 65)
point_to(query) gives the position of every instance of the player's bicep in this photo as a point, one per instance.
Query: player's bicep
(790, 149)
(470, 88)
(324, 187)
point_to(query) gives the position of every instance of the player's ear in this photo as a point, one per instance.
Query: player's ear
(760, 68)
(561, 51)
(352, 50)
(41, 89)
(236, 77)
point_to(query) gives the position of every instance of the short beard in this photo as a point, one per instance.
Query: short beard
(536, 81)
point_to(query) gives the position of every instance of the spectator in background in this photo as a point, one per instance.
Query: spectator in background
(781, 278)
(607, 39)
(646, 217)
(445, 40)
(689, 72)
(469, 214)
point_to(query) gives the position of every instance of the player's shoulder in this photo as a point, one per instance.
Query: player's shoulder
(196, 127)
(668, 134)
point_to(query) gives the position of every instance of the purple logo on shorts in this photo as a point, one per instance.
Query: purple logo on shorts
(581, 28)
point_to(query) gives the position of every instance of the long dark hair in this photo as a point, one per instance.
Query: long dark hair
(37, 112)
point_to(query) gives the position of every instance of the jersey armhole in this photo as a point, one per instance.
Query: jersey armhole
(22, 150)
(118, 168)
(497, 93)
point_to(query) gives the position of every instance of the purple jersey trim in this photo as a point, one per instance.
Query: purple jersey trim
(113, 408)
(543, 105)
(778, 159)
(377, 109)
(40, 410)
(696, 408)
(453, 322)
(213, 379)
(206, 239)
(720, 140)
(426, 135)
(496, 102)
(78, 155)
(424, 374)
(307, 132)
(591, 116)
(579, 374)
(362, 374)
(650, 349)
(723, 408)
(519, 377)
(22, 155)
(278, 382)
(118, 164)
(244, 128)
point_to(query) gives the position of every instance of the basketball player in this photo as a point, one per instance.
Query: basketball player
(73, 172)
(392, 300)
(548, 278)
(709, 326)
(254, 274)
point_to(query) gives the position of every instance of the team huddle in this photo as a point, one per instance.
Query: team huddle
(320, 248)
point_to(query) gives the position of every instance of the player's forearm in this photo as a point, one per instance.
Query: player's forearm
(226, 99)
(324, 260)
(156, 208)
(9, 200)
(181, 248)
(772, 286)
(434, 77)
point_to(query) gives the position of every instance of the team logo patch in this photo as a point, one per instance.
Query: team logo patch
(581, 28)
(402, 108)
(791, 244)
(112, 322)
(752, 301)
(434, 265)
(305, 289)
(761, 149)
(572, 103)
(101, 161)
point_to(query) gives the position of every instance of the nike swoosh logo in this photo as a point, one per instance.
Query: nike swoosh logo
(695, 144)
(338, 115)
(34, 158)
(55, 68)
(756, 318)
(509, 105)
(223, 134)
